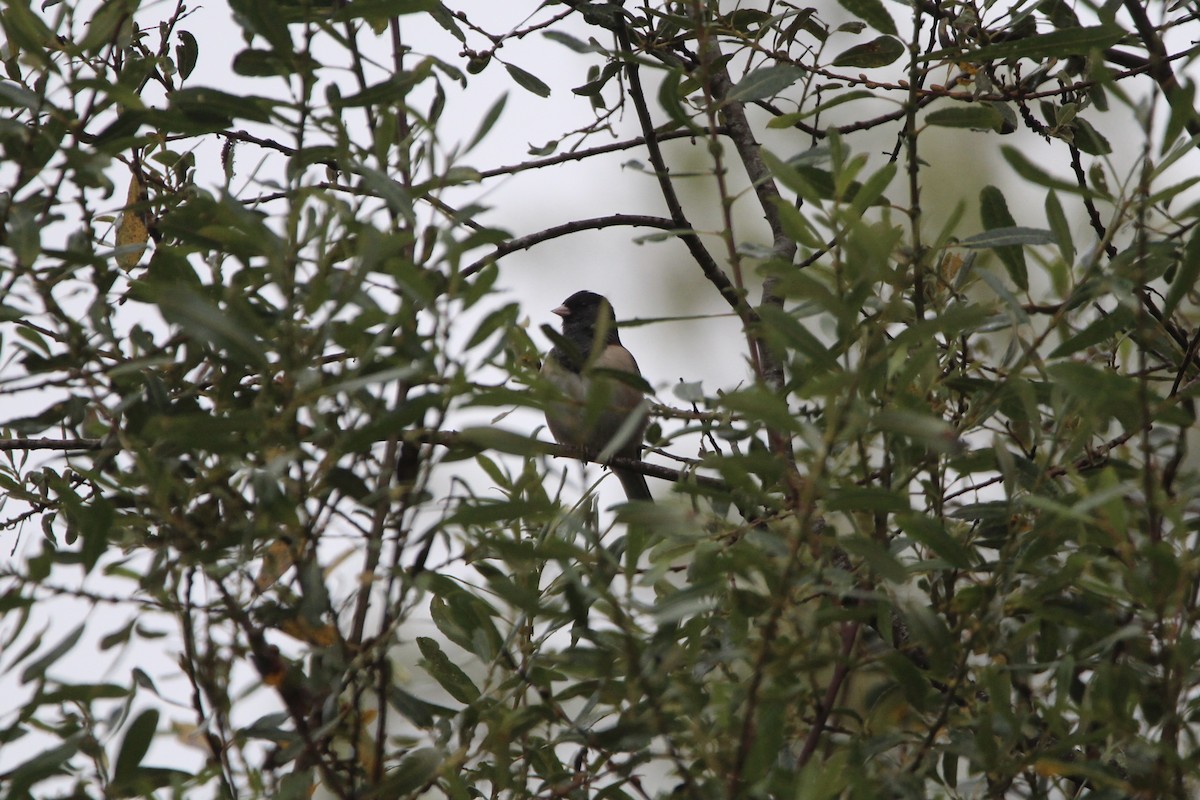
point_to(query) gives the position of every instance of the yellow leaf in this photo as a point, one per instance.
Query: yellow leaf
(132, 234)
(276, 561)
(317, 635)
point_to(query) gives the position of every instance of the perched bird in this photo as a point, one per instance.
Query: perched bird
(599, 410)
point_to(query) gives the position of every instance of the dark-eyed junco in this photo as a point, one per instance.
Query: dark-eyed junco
(598, 409)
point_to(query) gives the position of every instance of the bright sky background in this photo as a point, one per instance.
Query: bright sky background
(643, 281)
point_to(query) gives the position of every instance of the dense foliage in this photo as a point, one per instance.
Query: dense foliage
(939, 541)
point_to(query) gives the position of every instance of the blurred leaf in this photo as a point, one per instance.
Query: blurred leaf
(878, 52)
(488, 121)
(876, 556)
(932, 533)
(501, 440)
(1056, 44)
(382, 10)
(106, 24)
(999, 224)
(765, 82)
(528, 81)
(13, 95)
(1032, 172)
(187, 53)
(684, 604)
(1008, 237)
(762, 406)
(1116, 322)
(1089, 140)
(202, 320)
(47, 764)
(928, 430)
(37, 669)
(212, 107)
(978, 117)
(1184, 280)
(571, 42)
(866, 499)
(446, 672)
(414, 771)
(467, 620)
(138, 737)
(870, 191)
(792, 333)
(1060, 227)
(873, 12)
(1102, 393)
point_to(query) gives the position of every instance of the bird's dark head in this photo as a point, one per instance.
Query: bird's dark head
(582, 305)
(587, 318)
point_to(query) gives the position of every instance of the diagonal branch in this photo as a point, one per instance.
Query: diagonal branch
(567, 228)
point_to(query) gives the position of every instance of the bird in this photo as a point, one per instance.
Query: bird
(600, 405)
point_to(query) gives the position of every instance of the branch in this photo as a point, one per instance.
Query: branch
(50, 444)
(596, 223)
(519, 444)
(708, 264)
(580, 155)
(769, 198)
(1159, 59)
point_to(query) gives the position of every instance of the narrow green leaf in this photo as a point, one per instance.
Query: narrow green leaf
(876, 556)
(761, 406)
(878, 52)
(501, 440)
(489, 119)
(467, 620)
(1090, 140)
(572, 43)
(27, 34)
(1118, 321)
(206, 104)
(1008, 237)
(867, 499)
(993, 210)
(788, 120)
(791, 331)
(201, 319)
(105, 23)
(872, 12)
(528, 81)
(187, 53)
(46, 764)
(1056, 44)
(1185, 276)
(37, 670)
(683, 604)
(413, 772)
(871, 190)
(929, 430)
(16, 96)
(670, 97)
(95, 520)
(765, 82)
(382, 10)
(1030, 171)
(1060, 227)
(137, 742)
(265, 18)
(796, 225)
(977, 117)
(446, 672)
(932, 533)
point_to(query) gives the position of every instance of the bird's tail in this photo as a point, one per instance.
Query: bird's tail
(634, 484)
